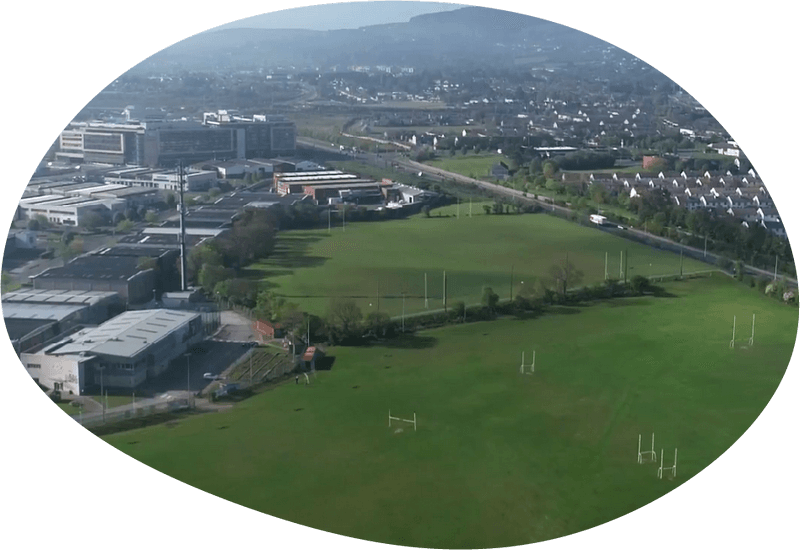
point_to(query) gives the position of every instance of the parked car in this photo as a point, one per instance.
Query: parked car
(212, 376)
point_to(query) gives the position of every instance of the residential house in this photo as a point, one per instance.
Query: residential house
(500, 171)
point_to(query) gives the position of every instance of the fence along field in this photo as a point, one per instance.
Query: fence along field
(376, 263)
(498, 458)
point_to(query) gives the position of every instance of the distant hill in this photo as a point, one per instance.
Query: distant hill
(472, 35)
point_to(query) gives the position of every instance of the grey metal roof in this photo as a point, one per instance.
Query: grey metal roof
(50, 312)
(54, 297)
(126, 335)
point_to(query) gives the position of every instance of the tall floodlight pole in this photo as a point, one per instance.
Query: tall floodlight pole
(705, 246)
(444, 289)
(511, 285)
(426, 291)
(403, 322)
(329, 219)
(101, 369)
(753, 332)
(182, 227)
(626, 266)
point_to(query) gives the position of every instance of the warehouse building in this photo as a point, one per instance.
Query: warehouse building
(194, 180)
(120, 354)
(33, 317)
(122, 274)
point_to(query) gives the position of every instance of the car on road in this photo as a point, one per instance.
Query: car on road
(212, 376)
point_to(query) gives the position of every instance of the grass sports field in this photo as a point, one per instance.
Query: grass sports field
(499, 458)
(390, 258)
(472, 166)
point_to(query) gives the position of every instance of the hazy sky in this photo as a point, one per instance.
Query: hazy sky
(350, 15)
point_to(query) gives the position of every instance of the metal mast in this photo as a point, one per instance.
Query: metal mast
(182, 236)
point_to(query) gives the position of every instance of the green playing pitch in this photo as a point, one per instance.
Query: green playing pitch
(498, 458)
(376, 263)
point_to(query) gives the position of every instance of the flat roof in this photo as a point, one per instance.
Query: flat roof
(95, 267)
(167, 241)
(18, 328)
(194, 231)
(55, 297)
(134, 250)
(316, 183)
(49, 312)
(36, 199)
(126, 335)
(351, 185)
(304, 176)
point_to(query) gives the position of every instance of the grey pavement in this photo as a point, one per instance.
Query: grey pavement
(139, 403)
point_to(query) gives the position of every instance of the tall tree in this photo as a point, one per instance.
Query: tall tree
(343, 320)
(564, 275)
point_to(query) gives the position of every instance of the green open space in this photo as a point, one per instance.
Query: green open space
(472, 166)
(375, 263)
(498, 458)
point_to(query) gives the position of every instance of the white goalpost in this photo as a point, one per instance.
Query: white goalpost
(672, 469)
(523, 365)
(732, 343)
(414, 421)
(651, 453)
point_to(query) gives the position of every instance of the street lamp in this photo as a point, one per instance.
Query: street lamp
(102, 402)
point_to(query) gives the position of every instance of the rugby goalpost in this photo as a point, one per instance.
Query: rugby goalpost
(752, 333)
(414, 421)
(672, 469)
(651, 453)
(523, 365)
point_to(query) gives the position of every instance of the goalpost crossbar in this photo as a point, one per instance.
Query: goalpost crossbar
(414, 421)
(673, 469)
(523, 365)
(651, 453)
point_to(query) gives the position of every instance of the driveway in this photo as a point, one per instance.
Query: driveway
(235, 328)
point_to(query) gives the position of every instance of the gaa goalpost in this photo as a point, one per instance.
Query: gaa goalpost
(413, 421)
(523, 365)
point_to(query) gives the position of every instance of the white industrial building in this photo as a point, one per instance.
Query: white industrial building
(119, 354)
(63, 210)
(195, 180)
